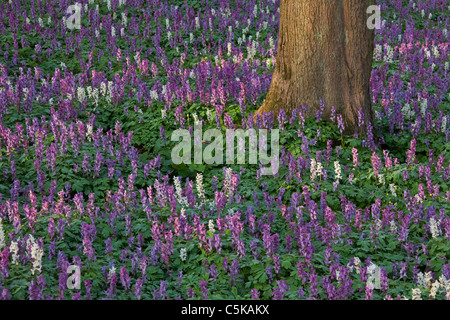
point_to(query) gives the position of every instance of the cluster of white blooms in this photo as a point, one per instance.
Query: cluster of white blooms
(109, 94)
(434, 289)
(407, 111)
(381, 179)
(434, 228)
(191, 37)
(416, 294)
(393, 226)
(255, 10)
(183, 254)
(445, 33)
(2, 236)
(227, 182)
(25, 93)
(392, 189)
(373, 272)
(315, 169)
(36, 254)
(108, 4)
(445, 285)
(424, 280)
(124, 19)
(197, 23)
(89, 91)
(153, 95)
(111, 271)
(357, 263)
(337, 170)
(103, 89)
(81, 94)
(444, 124)
(89, 131)
(389, 56)
(41, 23)
(427, 53)
(181, 200)
(229, 48)
(211, 226)
(209, 115)
(424, 107)
(14, 249)
(251, 50)
(163, 113)
(199, 183)
(378, 52)
(435, 51)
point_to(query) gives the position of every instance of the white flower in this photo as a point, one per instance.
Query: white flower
(14, 248)
(211, 226)
(111, 271)
(183, 254)
(392, 189)
(374, 276)
(313, 169)
(337, 169)
(103, 88)
(227, 182)
(35, 253)
(381, 179)
(209, 115)
(153, 95)
(89, 131)
(182, 200)
(389, 54)
(434, 288)
(113, 31)
(197, 23)
(357, 263)
(163, 113)
(199, 182)
(2, 236)
(434, 228)
(393, 226)
(416, 294)
(124, 19)
(81, 94)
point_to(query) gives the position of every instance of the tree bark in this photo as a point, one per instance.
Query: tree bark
(324, 52)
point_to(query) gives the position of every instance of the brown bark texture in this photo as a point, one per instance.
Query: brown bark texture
(324, 52)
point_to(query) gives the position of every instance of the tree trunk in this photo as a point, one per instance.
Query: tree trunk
(325, 52)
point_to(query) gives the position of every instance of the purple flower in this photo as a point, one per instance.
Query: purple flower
(124, 278)
(255, 294)
(204, 289)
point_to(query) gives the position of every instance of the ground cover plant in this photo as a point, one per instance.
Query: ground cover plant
(86, 118)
